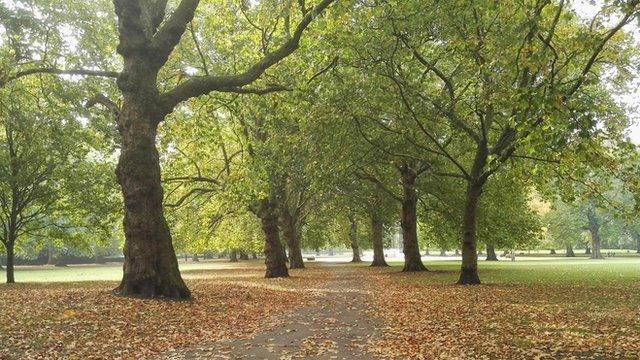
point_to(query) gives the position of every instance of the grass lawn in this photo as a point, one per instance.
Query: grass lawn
(109, 272)
(553, 271)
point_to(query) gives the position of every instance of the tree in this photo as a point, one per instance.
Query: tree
(148, 36)
(481, 91)
(45, 158)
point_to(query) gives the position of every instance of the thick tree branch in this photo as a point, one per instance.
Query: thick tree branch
(202, 85)
(171, 30)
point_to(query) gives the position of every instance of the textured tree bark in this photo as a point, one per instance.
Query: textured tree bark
(408, 222)
(469, 269)
(233, 256)
(292, 238)
(569, 251)
(353, 240)
(9, 247)
(491, 253)
(273, 249)
(150, 266)
(594, 230)
(377, 229)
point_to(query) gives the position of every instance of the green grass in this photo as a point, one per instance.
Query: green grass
(553, 271)
(578, 252)
(78, 273)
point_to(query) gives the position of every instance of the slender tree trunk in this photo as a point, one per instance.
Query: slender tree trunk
(443, 252)
(61, 260)
(408, 222)
(587, 250)
(99, 259)
(552, 252)
(426, 252)
(233, 256)
(491, 253)
(292, 238)
(469, 269)
(594, 230)
(353, 239)
(275, 260)
(377, 229)
(195, 257)
(569, 251)
(244, 255)
(254, 256)
(10, 260)
(51, 259)
(638, 244)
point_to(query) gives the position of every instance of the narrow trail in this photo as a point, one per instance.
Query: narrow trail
(335, 326)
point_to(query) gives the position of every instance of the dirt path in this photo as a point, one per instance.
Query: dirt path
(336, 326)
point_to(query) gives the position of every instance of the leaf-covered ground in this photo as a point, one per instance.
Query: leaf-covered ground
(542, 318)
(86, 321)
(546, 310)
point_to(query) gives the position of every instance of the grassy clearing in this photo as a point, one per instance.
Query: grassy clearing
(554, 271)
(112, 272)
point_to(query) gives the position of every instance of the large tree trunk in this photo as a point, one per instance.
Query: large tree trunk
(594, 230)
(377, 229)
(273, 249)
(491, 253)
(292, 238)
(569, 251)
(150, 266)
(353, 240)
(10, 260)
(469, 269)
(408, 222)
